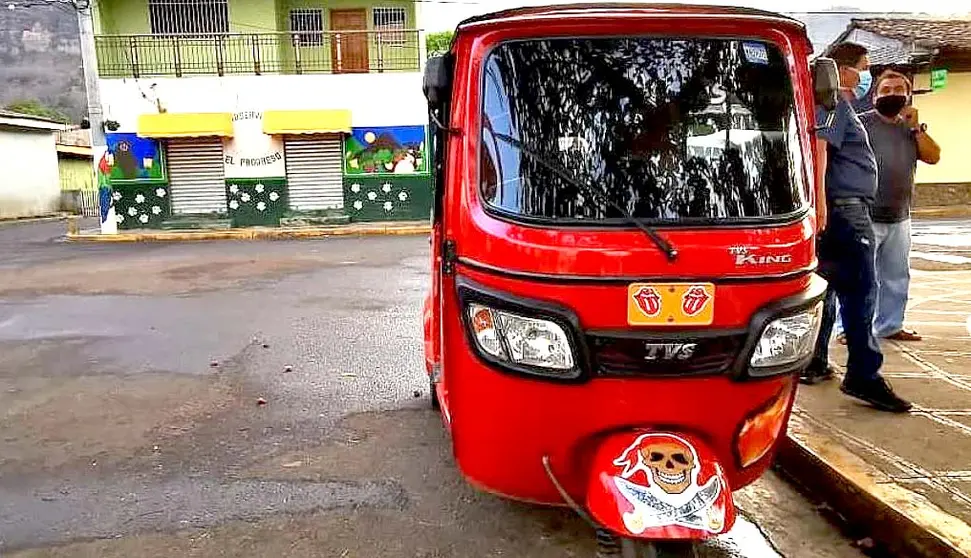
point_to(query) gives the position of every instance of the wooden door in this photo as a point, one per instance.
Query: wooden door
(349, 53)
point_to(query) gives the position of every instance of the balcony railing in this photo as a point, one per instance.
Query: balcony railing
(328, 52)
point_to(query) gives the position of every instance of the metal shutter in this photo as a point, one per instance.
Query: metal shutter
(314, 172)
(197, 175)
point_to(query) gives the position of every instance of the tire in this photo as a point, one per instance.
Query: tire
(432, 392)
(631, 548)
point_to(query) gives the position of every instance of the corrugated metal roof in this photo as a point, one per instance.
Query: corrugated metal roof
(952, 33)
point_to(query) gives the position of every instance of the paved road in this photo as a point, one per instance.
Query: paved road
(130, 377)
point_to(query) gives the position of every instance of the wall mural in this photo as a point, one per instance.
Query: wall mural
(109, 224)
(250, 153)
(141, 206)
(389, 198)
(261, 202)
(132, 159)
(385, 150)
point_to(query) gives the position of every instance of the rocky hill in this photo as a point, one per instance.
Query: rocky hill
(40, 58)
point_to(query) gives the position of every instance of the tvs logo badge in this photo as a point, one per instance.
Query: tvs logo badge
(660, 479)
(694, 300)
(648, 301)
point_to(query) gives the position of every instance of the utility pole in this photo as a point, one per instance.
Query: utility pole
(99, 146)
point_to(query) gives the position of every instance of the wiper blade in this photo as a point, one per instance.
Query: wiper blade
(670, 251)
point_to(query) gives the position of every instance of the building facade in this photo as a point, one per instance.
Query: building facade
(261, 112)
(919, 47)
(30, 186)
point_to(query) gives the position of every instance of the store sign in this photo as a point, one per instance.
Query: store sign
(250, 153)
(938, 79)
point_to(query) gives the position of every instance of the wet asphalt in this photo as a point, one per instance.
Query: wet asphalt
(158, 398)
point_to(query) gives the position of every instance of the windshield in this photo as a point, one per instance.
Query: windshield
(670, 129)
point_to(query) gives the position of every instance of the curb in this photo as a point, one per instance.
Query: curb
(937, 212)
(25, 220)
(254, 234)
(905, 522)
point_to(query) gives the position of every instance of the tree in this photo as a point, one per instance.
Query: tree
(35, 108)
(438, 43)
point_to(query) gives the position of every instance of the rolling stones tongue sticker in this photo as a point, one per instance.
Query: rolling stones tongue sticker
(694, 300)
(659, 478)
(648, 301)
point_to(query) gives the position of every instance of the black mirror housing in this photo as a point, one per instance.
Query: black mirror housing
(826, 82)
(438, 80)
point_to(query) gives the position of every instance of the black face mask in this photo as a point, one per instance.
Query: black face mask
(891, 105)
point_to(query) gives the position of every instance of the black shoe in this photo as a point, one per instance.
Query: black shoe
(817, 372)
(877, 393)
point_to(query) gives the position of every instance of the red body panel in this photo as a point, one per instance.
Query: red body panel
(502, 424)
(659, 485)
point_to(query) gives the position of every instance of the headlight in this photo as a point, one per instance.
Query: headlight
(522, 341)
(788, 340)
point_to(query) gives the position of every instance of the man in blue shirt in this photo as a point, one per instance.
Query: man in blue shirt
(846, 245)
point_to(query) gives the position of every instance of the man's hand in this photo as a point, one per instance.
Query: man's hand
(822, 216)
(909, 115)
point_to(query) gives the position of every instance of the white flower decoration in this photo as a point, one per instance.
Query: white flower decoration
(355, 188)
(132, 211)
(403, 196)
(245, 197)
(233, 204)
(233, 188)
(156, 210)
(388, 206)
(139, 199)
(358, 205)
(261, 206)
(372, 196)
(259, 188)
(160, 192)
(116, 196)
(143, 217)
(274, 196)
(386, 187)
(119, 218)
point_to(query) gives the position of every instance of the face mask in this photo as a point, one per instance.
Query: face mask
(891, 105)
(862, 88)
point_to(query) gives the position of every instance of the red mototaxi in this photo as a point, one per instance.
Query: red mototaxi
(652, 453)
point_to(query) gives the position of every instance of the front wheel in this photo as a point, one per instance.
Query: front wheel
(631, 548)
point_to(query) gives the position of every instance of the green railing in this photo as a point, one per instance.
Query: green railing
(328, 52)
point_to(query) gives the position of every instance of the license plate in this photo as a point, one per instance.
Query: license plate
(670, 304)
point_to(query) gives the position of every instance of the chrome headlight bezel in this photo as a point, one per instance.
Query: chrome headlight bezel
(803, 326)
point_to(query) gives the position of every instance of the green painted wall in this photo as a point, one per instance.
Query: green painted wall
(75, 173)
(124, 17)
(396, 197)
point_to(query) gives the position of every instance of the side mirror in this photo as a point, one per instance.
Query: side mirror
(826, 82)
(438, 80)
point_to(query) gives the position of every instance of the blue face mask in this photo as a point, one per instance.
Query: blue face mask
(862, 88)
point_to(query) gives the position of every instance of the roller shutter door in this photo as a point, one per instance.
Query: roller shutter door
(314, 172)
(197, 176)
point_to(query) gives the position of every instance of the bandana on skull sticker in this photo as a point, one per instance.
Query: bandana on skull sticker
(662, 485)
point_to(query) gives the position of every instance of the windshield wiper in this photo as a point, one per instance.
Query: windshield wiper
(670, 251)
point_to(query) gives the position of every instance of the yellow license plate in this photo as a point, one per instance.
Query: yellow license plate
(670, 304)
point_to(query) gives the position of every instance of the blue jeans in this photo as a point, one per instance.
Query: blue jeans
(893, 278)
(846, 259)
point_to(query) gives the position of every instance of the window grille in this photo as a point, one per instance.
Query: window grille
(307, 26)
(188, 16)
(390, 22)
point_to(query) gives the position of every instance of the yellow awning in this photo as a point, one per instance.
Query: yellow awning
(306, 121)
(185, 125)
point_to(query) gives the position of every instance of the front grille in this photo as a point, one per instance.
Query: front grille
(624, 356)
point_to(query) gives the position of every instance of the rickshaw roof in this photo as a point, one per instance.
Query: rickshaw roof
(606, 9)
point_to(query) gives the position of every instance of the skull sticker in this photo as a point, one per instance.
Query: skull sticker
(648, 301)
(694, 300)
(659, 478)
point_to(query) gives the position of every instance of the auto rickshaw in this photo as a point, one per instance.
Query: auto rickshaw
(623, 285)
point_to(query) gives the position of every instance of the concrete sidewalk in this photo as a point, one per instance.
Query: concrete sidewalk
(389, 228)
(906, 478)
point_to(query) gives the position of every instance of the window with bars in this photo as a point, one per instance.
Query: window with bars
(188, 16)
(307, 26)
(391, 22)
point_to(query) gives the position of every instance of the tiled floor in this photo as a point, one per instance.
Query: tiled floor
(929, 450)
